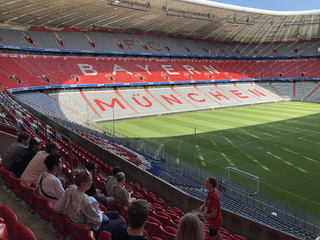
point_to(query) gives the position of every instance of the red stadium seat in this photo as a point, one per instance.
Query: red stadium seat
(78, 232)
(43, 206)
(104, 235)
(145, 234)
(118, 207)
(225, 237)
(28, 196)
(170, 230)
(59, 222)
(177, 210)
(152, 228)
(102, 207)
(173, 215)
(16, 186)
(224, 231)
(152, 219)
(10, 219)
(137, 195)
(165, 219)
(157, 207)
(166, 235)
(5, 174)
(237, 237)
(3, 230)
(23, 232)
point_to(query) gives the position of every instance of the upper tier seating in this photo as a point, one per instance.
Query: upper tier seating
(26, 71)
(140, 43)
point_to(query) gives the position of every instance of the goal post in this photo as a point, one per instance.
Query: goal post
(239, 180)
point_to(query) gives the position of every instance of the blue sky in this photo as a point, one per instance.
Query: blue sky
(276, 5)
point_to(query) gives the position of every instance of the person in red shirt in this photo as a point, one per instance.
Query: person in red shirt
(211, 210)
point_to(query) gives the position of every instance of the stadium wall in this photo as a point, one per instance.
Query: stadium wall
(5, 140)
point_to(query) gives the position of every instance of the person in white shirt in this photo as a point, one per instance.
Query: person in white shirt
(48, 185)
(83, 209)
(36, 166)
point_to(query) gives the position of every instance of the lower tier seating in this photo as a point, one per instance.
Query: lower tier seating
(108, 104)
(158, 207)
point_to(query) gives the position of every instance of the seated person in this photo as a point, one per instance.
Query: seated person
(111, 180)
(138, 212)
(36, 166)
(16, 151)
(83, 209)
(48, 185)
(92, 191)
(20, 165)
(120, 194)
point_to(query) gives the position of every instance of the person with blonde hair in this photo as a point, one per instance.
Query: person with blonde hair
(190, 228)
(83, 209)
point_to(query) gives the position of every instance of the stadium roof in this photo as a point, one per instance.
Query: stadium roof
(195, 18)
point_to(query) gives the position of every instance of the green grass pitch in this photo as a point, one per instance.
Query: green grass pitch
(279, 142)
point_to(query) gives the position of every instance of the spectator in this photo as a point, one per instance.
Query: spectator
(83, 209)
(48, 185)
(120, 194)
(138, 212)
(36, 166)
(16, 150)
(111, 180)
(19, 166)
(211, 209)
(92, 191)
(190, 228)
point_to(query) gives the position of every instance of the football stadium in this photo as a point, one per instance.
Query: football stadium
(175, 94)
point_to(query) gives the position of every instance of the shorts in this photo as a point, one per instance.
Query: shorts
(213, 232)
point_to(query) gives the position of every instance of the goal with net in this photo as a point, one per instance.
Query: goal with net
(238, 180)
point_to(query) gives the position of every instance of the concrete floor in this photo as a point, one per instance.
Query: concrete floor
(41, 229)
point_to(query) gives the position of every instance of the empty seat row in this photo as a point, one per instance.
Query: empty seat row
(122, 42)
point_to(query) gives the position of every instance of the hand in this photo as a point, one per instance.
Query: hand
(203, 213)
(200, 209)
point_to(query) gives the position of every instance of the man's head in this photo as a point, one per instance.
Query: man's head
(24, 138)
(115, 171)
(34, 144)
(53, 163)
(211, 183)
(138, 212)
(92, 167)
(53, 148)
